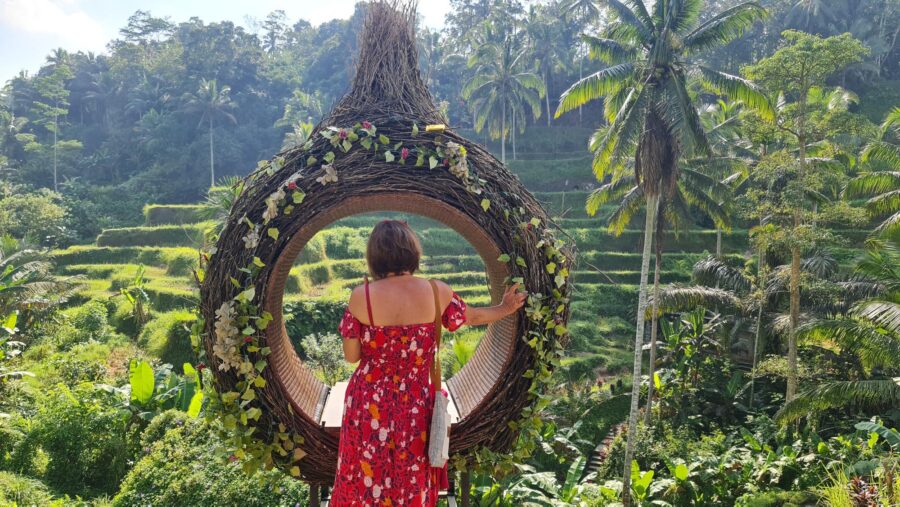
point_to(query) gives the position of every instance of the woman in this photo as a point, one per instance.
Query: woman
(389, 326)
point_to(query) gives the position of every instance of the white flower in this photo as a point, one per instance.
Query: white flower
(374, 424)
(227, 337)
(382, 434)
(330, 175)
(251, 240)
(272, 203)
(376, 491)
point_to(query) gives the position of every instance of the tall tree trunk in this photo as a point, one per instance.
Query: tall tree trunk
(795, 319)
(653, 330)
(212, 167)
(718, 242)
(761, 287)
(503, 133)
(547, 94)
(55, 147)
(514, 135)
(649, 229)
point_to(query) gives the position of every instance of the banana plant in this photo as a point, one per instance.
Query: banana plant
(148, 393)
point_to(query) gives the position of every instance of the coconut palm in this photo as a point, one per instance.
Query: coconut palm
(500, 87)
(884, 185)
(545, 48)
(870, 329)
(645, 93)
(211, 102)
(27, 285)
(700, 186)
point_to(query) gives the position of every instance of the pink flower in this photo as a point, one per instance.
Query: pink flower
(232, 458)
(200, 367)
(293, 185)
(342, 134)
(446, 161)
(248, 339)
(404, 153)
(366, 125)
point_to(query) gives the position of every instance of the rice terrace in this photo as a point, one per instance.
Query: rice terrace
(670, 229)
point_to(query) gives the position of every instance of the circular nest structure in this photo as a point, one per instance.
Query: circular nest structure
(487, 205)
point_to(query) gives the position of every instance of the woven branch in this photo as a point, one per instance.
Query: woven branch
(388, 92)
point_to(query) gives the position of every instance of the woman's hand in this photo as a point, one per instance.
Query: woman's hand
(513, 300)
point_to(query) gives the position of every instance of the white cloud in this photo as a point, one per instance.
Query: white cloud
(62, 18)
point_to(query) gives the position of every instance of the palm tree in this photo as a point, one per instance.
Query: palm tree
(871, 329)
(211, 101)
(501, 86)
(698, 187)
(545, 48)
(885, 185)
(27, 285)
(645, 92)
(297, 137)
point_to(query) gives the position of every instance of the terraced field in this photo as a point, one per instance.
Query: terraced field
(606, 274)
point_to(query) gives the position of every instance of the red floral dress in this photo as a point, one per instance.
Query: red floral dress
(383, 450)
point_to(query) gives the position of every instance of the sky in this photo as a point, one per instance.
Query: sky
(29, 29)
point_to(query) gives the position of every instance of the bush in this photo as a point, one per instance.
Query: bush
(173, 214)
(778, 499)
(183, 469)
(84, 437)
(88, 322)
(168, 337)
(19, 490)
(37, 217)
(306, 318)
(163, 235)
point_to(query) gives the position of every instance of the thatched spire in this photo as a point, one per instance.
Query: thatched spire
(387, 82)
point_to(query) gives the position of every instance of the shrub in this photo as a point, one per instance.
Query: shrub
(19, 490)
(306, 318)
(182, 468)
(36, 216)
(168, 337)
(84, 437)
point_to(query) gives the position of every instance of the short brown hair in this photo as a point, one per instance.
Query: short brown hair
(393, 248)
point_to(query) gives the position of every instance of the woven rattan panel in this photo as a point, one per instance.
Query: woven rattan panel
(471, 385)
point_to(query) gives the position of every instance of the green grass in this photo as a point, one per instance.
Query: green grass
(173, 214)
(157, 236)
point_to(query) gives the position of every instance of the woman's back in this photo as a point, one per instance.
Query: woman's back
(389, 398)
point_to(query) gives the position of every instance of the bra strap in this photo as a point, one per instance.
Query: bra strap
(368, 302)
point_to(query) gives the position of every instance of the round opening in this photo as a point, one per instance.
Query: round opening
(316, 401)
(333, 262)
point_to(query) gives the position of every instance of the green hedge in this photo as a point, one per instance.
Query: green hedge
(168, 337)
(177, 260)
(173, 214)
(163, 235)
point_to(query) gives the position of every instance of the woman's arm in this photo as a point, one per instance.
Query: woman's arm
(511, 303)
(352, 346)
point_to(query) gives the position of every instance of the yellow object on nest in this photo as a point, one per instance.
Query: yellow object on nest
(435, 128)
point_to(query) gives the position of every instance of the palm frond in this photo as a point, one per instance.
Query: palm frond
(629, 206)
(867, 184)
(592, 87)
(882, 151)
(607, 193)
(674, 299)
(608, 50)
(888, 202)
(873, 346)
(714, 271)
(878, 393)
(884, 314)
(630, 25)
(737, 88)
(724, 27)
